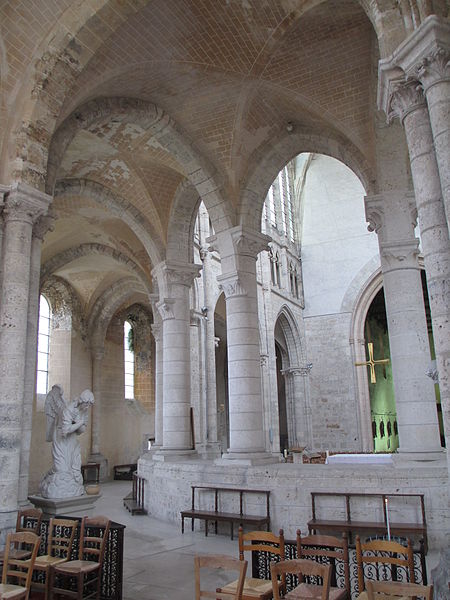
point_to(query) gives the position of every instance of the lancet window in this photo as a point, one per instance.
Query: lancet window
(128, 348)
(43, 345)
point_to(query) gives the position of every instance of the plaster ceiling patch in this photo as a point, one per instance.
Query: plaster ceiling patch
(85, 145)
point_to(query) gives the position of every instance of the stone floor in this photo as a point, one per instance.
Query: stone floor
(158, 559)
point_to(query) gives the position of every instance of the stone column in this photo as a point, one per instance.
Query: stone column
(41, 227)
(174, 282)
(392, 215)
(300, 426)
(239, 249)
(23, 206)
(405, 100)
(425, 56)
(157, 335)
(97, 354)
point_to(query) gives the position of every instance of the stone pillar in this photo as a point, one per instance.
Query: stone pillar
(239, 249)
(424, 56)
(23, 207)
(405, 100)
(174, 282)
(157, 335)
(97, 354)
(392, 215)
(41, 227)
(299, 423)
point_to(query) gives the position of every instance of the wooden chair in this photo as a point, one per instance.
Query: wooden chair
(327, 549)
(61, 533)
(86, 571)
(377, 590)
(23, 523)
(300, 567)
(258, 541)
(18, 570)
(217, 561)
(384, 558)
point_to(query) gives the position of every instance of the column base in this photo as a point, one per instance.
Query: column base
(164, 455)
(103, 462)
(248, 459)
(403, 456)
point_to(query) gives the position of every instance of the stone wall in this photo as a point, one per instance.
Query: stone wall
(169, 490)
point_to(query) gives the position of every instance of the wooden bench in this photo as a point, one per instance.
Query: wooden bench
(125, 472)
(350, 526)
(216, 515)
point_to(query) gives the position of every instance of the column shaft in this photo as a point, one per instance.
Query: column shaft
(157, 335)
(39, 230)
(239, 249)
(23, 206)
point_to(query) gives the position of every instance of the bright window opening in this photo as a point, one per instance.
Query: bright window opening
(128, 346)
(43, 346)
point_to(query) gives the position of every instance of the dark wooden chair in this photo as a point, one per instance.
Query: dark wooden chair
(327, 549)
(300, 567)
(385, 560)
(390, 590)
(258, 541)
(85, 572)
(19, 570)
(61, 533)
(226, 563)
(28, 519)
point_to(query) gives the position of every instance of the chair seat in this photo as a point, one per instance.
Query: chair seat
(364, 596)
(46, 560)
(8, 591)
(77, 566)
(253, 587)
(306, 590)
(16, 554)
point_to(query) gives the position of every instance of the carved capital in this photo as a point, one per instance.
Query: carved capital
(434, 68)
(156, 332)
(301, 371)
(406, 96)
(165, 308)
(400, 255)
(247, 243)
(374, 212)
(231, 285)
(43, 225)
(26, 204)
(169, 274)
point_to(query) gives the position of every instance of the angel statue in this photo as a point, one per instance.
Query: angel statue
(65, 422)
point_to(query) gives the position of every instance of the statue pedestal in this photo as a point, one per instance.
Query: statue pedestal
(77, 506)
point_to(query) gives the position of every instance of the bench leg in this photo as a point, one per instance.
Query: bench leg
(182, 524)
(192, 523)
(206, 526)
(231, 527)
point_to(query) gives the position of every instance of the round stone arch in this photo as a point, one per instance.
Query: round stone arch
(71, 254)
(107, 305)
(180, 234)
(276, 155)
(294, 372)
(368, 289)
(157, 124)
(119, 207)
(65, 304)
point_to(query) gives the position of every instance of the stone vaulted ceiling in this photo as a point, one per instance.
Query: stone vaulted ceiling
(230, 75)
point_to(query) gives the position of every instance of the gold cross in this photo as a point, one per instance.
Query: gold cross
(371, 363)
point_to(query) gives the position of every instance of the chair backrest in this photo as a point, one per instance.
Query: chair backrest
(301, 567)
(396, 588)
(29, 516)
(385, 557)
(94, 532)
(326, 549)
(262, 541)
(217, 561)
(61, 533)
(20, 570)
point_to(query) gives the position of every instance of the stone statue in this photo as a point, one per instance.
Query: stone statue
(65, 422)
